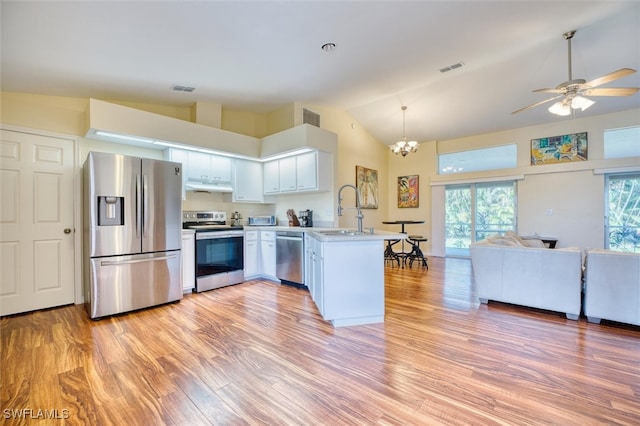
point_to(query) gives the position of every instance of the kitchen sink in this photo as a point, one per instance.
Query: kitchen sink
(340, 232)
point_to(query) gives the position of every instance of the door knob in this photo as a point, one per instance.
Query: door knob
(67, 230)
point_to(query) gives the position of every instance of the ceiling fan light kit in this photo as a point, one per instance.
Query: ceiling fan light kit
(564, 107)
(403, 146)
(573, 91)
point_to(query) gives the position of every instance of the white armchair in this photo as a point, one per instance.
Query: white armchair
(612, 286)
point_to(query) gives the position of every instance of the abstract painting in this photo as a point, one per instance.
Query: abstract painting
(408, 191)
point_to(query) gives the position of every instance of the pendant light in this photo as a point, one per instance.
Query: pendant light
(403, 146)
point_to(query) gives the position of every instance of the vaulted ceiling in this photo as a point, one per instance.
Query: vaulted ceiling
(261, 55)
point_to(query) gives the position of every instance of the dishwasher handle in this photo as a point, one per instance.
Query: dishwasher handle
(279, 237)
(287, 235)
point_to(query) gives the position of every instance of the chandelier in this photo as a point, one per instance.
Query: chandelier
(403, 146)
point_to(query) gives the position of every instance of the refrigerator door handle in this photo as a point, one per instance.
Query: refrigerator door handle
(138, 207)
(131, 261)
(145, 205)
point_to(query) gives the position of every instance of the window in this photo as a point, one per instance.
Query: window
(622, 226)
(624, 142)
(475, 211)
(497, 157)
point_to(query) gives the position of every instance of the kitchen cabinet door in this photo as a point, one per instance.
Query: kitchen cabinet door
(199, 166)
(314, 171)
(248, 182)
(251, 256)
(268, 254)
(288, 173)
(220, 169)
(318, 278)
(188, 261)
(306, 171)
(179, 156)
(271, 176)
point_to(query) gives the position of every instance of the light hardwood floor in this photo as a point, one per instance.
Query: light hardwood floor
(259, 353)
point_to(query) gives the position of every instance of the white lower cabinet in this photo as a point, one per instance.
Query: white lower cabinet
(317, 277)
(188, 260)
(251, 255)
(268, 254)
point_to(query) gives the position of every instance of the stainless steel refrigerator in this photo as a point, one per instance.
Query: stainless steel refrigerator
(132, 233)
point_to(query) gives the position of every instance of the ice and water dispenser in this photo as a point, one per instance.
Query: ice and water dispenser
(110, 211)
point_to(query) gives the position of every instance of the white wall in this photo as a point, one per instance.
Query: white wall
(576, 201)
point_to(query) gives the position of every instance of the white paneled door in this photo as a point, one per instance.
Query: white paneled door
(36, 222)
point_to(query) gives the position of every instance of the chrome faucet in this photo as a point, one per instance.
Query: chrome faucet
(359, 216)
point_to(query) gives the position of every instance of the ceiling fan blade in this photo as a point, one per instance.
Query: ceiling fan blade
(610, 77)
(549, 91)
(611, 91)
(536, 104)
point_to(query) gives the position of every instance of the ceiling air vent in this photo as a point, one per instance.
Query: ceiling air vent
(310, 117)
(452, 67)
(178, 88)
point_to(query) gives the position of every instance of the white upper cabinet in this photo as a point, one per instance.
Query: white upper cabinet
(198, 166)
(311, 171)
(307, 171)
(220, 168)
(179, 156)
(271, 171)
(207, 168)
(288, 174)
(247, 182)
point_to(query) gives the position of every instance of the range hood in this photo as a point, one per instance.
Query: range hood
(197, 186)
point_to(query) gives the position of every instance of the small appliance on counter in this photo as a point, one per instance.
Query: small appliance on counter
(236, 219)
(306, 218)
(261, 221)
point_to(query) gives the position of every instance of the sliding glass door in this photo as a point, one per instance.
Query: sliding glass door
(475, 211)
(622, 227)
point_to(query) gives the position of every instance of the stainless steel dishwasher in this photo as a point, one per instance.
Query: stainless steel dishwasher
(290, 257)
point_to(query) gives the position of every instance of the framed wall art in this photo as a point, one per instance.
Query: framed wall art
(408, 195)
(559, 149)
(367, 184)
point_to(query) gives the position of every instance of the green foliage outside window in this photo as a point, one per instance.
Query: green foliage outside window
(624, 213)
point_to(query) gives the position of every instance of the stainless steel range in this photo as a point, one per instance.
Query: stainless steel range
(219, 249)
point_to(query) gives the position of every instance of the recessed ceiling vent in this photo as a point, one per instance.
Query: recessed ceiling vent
(452, 67)
(310, 117)
(183, 88)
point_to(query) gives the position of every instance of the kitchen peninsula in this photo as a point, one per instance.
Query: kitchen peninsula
(344, 272)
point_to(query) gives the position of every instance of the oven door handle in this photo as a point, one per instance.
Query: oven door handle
(218, 235)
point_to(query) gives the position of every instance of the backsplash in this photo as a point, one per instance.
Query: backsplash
(219, 201)
(320, 203)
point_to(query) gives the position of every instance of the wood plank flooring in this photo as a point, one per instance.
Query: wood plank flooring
(259, 353)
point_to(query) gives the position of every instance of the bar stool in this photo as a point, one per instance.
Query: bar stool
(416, 252)
(389, 254)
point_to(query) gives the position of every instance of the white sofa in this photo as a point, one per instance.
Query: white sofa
(612, 286)
(537, 277)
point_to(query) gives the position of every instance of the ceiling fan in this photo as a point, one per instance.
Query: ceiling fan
(573, 92)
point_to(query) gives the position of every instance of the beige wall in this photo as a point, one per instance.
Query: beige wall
(356, 147)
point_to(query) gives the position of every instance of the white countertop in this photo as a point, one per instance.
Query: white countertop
(317, 233)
